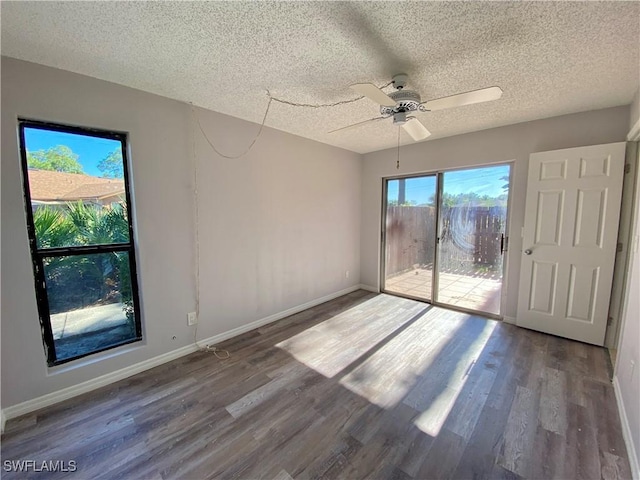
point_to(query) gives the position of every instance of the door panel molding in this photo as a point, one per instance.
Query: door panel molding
(577, 234)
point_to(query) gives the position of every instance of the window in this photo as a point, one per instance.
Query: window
(78, 207)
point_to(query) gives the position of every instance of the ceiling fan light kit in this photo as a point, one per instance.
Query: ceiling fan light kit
(397, 104)
(415, 129)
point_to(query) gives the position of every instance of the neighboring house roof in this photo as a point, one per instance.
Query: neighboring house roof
(47, 185)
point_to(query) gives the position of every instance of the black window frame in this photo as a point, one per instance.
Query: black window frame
(38, 254)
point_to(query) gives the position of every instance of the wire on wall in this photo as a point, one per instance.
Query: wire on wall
(264, 119)
(221, 353)
(321, 105)
(235, 157)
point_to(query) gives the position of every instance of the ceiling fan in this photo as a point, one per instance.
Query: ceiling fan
(401, 102)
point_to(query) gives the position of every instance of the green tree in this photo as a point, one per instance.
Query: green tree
(75, 281)
(59, 159)
(507, 179)
(53, 228)
(472, 199)
(407, 203)
(112, 166)
(95, 226)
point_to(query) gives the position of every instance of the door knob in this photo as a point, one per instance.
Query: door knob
(528, 252)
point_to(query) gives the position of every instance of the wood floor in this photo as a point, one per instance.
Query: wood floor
(364, 386)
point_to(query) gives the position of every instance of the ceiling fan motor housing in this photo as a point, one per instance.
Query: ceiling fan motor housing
(400, 118)
(406, 101)
(400, 80)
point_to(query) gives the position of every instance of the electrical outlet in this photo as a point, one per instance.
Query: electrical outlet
(192, 319)
(633, 367)
(346, 274)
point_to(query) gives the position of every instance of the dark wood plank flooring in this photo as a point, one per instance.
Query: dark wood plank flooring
(364, 386)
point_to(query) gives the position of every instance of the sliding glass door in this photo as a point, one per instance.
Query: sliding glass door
(472, 220)
(410, 236)
(445, 237)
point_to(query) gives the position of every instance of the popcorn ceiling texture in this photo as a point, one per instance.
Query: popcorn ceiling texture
(550, 58)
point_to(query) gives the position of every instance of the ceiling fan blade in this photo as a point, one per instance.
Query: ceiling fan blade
(416, 129)
(357, 124)
(374, 93)
(467, 98)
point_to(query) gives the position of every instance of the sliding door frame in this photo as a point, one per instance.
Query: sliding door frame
(383, 234)
(439, 174)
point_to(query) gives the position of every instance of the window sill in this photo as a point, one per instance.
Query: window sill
(96, 358)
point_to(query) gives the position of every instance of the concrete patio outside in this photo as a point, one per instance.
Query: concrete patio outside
(90, 329)
(471, 291)
(88, 319)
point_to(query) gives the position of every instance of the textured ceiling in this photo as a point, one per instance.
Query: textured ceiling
(549, 58)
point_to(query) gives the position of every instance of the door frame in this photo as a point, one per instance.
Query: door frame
(434, 280)
(625, 238)
(634, 137)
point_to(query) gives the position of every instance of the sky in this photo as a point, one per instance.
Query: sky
(90, 150)
(483, 181)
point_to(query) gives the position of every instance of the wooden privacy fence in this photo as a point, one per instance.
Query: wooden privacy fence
(469, 238)
(409, 237)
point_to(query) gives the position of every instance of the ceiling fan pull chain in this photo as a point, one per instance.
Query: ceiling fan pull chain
(398, 160)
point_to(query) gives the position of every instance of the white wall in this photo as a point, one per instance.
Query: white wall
(628, 359)
(512, 143)
(277, 228)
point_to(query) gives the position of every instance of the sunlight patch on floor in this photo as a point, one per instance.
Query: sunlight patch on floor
(434, 414)
(383, 380)
(390, 353)
(428, 346)
(331, 346)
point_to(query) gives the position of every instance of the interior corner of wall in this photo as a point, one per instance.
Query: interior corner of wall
(369, 288)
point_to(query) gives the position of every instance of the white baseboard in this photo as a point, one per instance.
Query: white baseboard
(626, 432)
(369, 288)
(276, 316)
(511, 320)
(51, 398)
(28, 406)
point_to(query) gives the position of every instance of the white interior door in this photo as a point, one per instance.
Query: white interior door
(569, 244)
